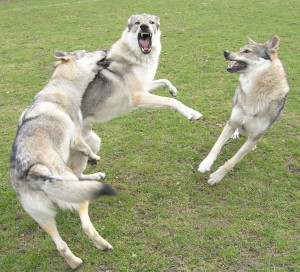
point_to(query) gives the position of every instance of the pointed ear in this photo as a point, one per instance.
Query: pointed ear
(56, 63)
(61, 55)
(157, 21)
(273, 44)
(250, 40)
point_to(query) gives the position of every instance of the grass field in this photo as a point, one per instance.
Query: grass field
(166, 217)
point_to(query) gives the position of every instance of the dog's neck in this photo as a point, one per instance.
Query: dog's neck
(74, 90)
(249, 80)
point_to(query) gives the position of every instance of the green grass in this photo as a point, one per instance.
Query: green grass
(167, 218)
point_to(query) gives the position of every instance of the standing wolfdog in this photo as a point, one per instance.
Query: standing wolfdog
(126, 84)
(258, 100)
(47, 130)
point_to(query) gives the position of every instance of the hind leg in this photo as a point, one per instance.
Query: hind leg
(50, 227)
(89, 229)
(41, 209)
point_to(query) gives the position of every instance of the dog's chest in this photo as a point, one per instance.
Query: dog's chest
(145, 75)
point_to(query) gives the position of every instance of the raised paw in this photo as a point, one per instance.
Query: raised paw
(195, 115)
(93, 161)
(236, 134)
(95, 176)
(173, 91)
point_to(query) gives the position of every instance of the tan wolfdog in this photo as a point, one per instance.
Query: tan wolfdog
(258, 100)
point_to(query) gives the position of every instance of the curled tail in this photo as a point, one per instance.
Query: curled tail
(73, 191)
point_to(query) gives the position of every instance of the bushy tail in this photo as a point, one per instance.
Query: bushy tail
(73, 191)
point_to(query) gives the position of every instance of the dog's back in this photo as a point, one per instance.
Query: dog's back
(46, 129)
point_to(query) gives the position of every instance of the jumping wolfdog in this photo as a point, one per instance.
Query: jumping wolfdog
(47, 131)
(258, 100)
(126, 84)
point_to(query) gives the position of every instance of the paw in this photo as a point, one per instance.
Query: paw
(93, 159)
(173, 91)
(75, 262)
(95, 176)
(99, 175)
(236, 134)
(103, 247)
(192, 114)
(217, 176)
(205, 165)
(108, 248)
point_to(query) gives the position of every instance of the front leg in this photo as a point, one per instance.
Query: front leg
(207, 163)
(217, 176)
(163, 83)
(146, 100)
(80, 145)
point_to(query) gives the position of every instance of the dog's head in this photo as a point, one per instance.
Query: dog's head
(95, 61)
(79, 63)
(253, 54)
(145, 29)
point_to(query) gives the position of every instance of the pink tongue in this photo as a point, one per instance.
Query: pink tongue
(145, 43)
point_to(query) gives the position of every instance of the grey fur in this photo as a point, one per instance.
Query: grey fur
(127, 83)
(47, 132)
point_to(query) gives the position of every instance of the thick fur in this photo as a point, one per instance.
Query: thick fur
(47, 131)
(126, 84)
(258, 101)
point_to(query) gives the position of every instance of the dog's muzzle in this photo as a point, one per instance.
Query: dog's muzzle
(103, 63)
(234, 65)
(145, 39)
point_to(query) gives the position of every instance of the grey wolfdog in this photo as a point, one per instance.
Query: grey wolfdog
(47, 131)
(126, 84)
(257, 103)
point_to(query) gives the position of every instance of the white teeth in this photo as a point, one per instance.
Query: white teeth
(230, 63)
(142, 34)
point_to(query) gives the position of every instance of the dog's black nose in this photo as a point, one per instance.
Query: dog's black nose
(226, 54)
(144, 27)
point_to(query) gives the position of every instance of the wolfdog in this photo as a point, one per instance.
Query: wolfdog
(47, 131)
(257, 103)
(126, 84)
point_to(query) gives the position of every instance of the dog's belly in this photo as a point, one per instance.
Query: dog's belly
(114, 107)
(249, 125)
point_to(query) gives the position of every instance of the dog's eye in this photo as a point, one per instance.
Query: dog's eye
(247, 51)
(137, 23)
(151, 22)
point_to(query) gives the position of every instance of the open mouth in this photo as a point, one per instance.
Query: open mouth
(145, 42)
(236, 66)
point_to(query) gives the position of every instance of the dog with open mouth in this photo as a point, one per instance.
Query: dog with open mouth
(258, 100)
(126, 84)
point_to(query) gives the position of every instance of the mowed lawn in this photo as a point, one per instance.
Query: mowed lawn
(166, 217)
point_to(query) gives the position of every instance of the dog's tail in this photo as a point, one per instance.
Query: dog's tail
(72, 191)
